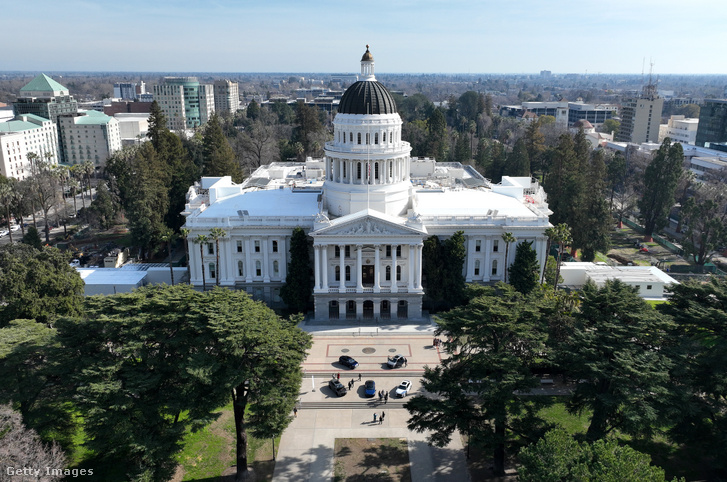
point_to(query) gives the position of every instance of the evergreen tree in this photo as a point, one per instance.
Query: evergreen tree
(462, 153)
(103, 207)
(660, 181)
(298, 287)
(219, 158)
(442, 265)
(593, 220)
(181, 172)
(564, 182)
(518, 163)
(535, 146)
(253, 110)
(525, 269)
(497, 165)
(307, 124)
(437, 135)
(157, 125)
(32, 238)
(615, 351)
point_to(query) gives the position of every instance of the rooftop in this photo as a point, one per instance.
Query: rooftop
(43, 83)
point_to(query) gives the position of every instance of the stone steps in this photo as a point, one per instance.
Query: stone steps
(357, 405)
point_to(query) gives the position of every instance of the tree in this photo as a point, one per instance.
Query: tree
(215, 234)
(558, 457)
(508, 239)
(219, 158)
(616, 172)
(518, 162)
(103, 207)
(157, 125)
(22, 448)
(437, 135)
(298, 287)
(705, 214)
(442, 264)
(253, 110)
(37, 284)
(493, 342)
(535, 146)
(168, 237)
(525, 269)
(660, 181)
(201, 239)
(615, 351)
(307, 125)
(698, 387)
(564, 181)
(560, 234)
(32, 238)
(43, 188)
(593, 221)
(184, 233)
(611, 126)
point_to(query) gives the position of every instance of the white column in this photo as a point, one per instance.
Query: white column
(377, 269)
(411, 267)
(393, 268)
(342, 268)
(317, 266)
(324, 268)
(266, 259)
(248, 261)
(420, 250)
(359, 269)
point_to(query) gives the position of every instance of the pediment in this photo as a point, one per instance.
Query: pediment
(368, 225)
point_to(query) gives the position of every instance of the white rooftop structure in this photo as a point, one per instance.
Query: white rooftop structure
(650, 280)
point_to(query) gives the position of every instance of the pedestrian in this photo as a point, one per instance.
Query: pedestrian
(406, 362)
(338, 376)
(375, 415)
(434, 342)
(295, 412)
(381, 420)
(359, 377)
(386, 397)
(380, 396)
(352, 382)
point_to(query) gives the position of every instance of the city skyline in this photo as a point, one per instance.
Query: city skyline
(430, 36)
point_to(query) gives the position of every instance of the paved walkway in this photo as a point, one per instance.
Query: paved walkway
(306, 447)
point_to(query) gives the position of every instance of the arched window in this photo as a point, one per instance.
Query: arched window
(344, 137)
(376, 138)
(275, 246)
(276, 269)
(368, 138)
(338, 273)
(240, 269)
(359, 138)
(391, 169)
(376, 170)
(358, 169)
(477, 267)
(344, 170)
(494, 267)
(388, 273)
(398, 251)
(213, 271)
(391, 137)
(348, 273)
(337, 252)
(350, 136)
(398, 273)
(384, 140)
(258, 269)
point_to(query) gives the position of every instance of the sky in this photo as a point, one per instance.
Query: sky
(406, 36)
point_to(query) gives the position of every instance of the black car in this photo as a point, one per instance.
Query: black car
(337, 387)
(347, 361)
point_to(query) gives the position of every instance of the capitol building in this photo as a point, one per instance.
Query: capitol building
(367, 207)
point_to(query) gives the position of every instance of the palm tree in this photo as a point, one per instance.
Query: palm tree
(168, 237)
(562, 237)
(202, 240)
(216, 234)
(508, 238)
(77, 173)
(185, 234)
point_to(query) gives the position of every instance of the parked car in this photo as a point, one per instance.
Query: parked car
(370, 388)
(403, 389)
(347, 361)
(75, 263)
(15, 227)
(337, 387)
(3, 232)
(396, 361)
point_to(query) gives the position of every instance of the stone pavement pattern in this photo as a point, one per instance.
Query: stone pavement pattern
(307, 446)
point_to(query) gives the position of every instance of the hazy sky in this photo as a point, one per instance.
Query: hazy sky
(429, 36)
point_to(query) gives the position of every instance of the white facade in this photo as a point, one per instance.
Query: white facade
(227, 96)
(651, 282)
(368, 207)
(26, 134)
(679, 129)
(89, 136)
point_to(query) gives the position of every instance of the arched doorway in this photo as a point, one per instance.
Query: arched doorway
(333, 310)
(351, 310)
(385, 309)
(402, 310)
(368, 310)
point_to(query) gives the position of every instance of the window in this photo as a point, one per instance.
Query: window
(350, 137)
(477, 268)
(338, 252)
(275, 246)
(276, 268)
(648, 287)
(376, 138)
(388, 251)
(213, 271)
(368, 138)
(258, 269)
(359, 138)
(239, 246)
(391, 169)
(348, 273)
(388, 273)
(384, 139)
(348, 251)
(240, 269)
(398, 273)
(257, 246)
(338, 273)
(344, 137)
(376, 170)
(495, 246)
(210, 248)
(398, 251)
(478, 246)
(494, 267)
(344, 169)
(358, 170)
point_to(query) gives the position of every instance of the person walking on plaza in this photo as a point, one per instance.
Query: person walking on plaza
(295, 412)
(381, 420)
(380, 396)
(375, 415)
(338, 376)
(359, 377)
(386, 397)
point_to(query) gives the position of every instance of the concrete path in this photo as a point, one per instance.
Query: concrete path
(306, 447)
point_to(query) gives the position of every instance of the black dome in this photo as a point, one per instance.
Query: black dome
(367, 97)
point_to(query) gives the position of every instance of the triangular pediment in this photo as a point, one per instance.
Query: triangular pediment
(369, 223)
